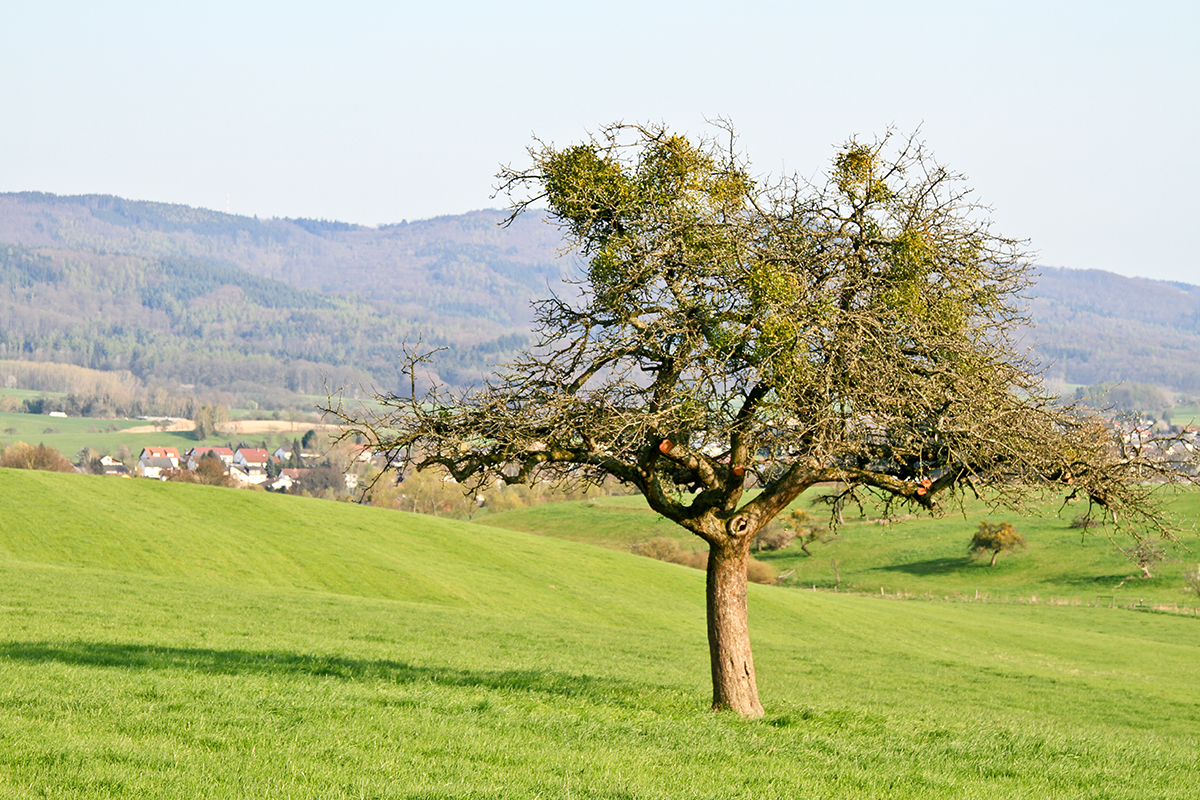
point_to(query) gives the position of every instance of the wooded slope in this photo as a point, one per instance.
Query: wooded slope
(199, 297)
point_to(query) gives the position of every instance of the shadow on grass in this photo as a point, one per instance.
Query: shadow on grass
(1130, 579)
(243, 662)
(934, 566)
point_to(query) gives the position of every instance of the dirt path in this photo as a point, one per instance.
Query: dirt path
(240, 426)
(273, 426)
(181, 425)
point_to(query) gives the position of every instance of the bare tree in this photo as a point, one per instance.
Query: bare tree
(728, 330)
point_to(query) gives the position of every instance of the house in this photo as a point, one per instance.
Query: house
(161, 452)
(250, 458)
(247, 476)
(196, 453)
(280, 484)
(288, 478)
(154, 467)
(113, 467)
(154, 460)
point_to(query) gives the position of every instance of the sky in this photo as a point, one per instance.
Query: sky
(1074, 121)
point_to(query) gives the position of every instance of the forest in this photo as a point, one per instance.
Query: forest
(209, 327)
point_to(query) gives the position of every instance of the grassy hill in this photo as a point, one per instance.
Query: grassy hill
(914, 555)
(176, 641)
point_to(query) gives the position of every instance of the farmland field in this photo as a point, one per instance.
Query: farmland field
(163, 640)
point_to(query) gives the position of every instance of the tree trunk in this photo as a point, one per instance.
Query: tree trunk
(994, 554)
(734, 686)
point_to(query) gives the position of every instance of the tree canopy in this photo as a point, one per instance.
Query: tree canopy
(731, 332)
(995, 538)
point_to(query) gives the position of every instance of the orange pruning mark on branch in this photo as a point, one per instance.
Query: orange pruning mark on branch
(665, 446)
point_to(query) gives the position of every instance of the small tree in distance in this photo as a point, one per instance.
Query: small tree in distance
(996, 539)
(728, 331)
(1191, 579)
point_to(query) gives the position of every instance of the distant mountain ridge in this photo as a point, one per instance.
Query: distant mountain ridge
(463, 281)
(464, 267)
(1094, 326)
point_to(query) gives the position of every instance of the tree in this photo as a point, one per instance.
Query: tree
(207, 417)
(1191, 579)
(1145, 554)
(996, 539)
(729, 331)
(210, 470)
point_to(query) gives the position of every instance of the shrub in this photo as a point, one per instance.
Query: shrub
(25, 456)
(665, 548)
(662, 548)
(760, 572)
(773, 537)
(1145, 554)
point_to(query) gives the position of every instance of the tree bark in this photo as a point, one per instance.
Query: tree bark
(734, 686)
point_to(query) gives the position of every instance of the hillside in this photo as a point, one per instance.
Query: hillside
(914, 555)
(165, 640)
(181, 295)
(464, 267)
(208, 326)
(1094, 327)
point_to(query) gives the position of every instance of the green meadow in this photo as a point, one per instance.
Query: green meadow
(1188, 414)
(69, 435)
(919, 556)
(170, 640)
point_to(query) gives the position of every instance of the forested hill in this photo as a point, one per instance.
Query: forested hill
(200, 297)
(464, 267)
(182, 295)
(1095, 326)
(195, 326)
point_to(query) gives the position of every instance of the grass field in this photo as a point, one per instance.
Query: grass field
(1186, 415)
(69, 434)
(915, 555)
(164, 640)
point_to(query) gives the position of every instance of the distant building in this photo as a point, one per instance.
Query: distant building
(251, 458)
(113, 467)
(154, 460)
(196, 453)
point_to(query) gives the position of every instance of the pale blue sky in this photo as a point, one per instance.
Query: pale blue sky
(1076, 121)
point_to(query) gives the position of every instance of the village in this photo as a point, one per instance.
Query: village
(241, 467)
